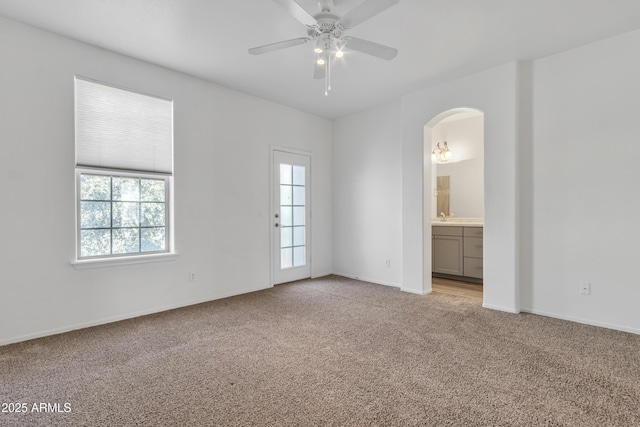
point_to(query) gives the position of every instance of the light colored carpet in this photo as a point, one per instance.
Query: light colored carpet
(329, 351)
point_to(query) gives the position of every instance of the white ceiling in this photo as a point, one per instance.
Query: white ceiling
(437, 40)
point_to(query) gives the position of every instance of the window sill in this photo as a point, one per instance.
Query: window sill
(126, 260)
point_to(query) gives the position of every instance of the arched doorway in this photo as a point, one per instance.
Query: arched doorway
(454, 200)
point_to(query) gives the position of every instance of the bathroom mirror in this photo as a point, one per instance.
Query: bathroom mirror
(442, 204)
(460, 189)
(457, 180)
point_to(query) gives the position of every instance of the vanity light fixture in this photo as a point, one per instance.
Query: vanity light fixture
(441, 154)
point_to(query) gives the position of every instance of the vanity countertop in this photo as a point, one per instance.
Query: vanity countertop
(457, 222)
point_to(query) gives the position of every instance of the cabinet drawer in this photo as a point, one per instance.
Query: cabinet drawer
(473, 267)
(446, 231)
(473, 231)
(473, 247)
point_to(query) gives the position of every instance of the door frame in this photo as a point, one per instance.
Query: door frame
(272, 254)
(427, 171)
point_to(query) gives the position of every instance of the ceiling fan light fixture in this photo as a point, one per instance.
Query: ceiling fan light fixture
(319, 46)
(326, 29)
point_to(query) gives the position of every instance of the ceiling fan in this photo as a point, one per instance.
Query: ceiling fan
(328, 32)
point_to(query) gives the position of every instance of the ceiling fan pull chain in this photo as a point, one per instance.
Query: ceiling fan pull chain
(326, 80)
(328, 71)
(328, 66)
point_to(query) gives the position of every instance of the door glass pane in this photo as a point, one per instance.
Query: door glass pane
(292, 216)
(298, 236)
(298, 196)
(298, 175)
(287, 216)
(286, 258)
(298, 215)
(298, 256)
(286, 237)
(286, 197)
(285, 174)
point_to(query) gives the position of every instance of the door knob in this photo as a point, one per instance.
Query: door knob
(277, 224)
(277, 215)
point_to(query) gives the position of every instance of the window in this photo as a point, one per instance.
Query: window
(124, 166)
(122, 214)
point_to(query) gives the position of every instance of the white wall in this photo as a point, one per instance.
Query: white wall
(222, 141)
(367, 184)
(586, 149)
(378, 184)
(558, 203)
(561, 147)
(494, 93)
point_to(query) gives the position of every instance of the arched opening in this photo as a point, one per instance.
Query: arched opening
(453, 211)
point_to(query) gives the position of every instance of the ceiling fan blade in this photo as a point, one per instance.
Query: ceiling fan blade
(371, 48)
(277, 46)
(300, 13)
(365, 11)
(319, 71)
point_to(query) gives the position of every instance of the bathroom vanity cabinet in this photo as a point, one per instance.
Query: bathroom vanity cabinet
(457, 251)
(472, 263)
(447, 250)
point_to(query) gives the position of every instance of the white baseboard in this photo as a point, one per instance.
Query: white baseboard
(118, 318)
(365, 279)
(316, 275)
(378, 282)
(584, 321)
(412, 291)
(499, 308)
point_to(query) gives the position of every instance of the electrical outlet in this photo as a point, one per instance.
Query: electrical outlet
(387, 263)
(192, 277)
(585, 288)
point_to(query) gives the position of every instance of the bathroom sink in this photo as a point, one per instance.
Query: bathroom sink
(457, 221)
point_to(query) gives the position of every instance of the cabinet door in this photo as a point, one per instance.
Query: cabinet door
(447, 255)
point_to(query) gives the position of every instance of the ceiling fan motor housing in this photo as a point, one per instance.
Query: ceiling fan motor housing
(326, 22)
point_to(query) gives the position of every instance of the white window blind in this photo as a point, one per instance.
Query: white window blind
(120, 129)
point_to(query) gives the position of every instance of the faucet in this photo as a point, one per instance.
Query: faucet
(443, 217)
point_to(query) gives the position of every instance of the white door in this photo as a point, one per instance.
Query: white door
(291, 217)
